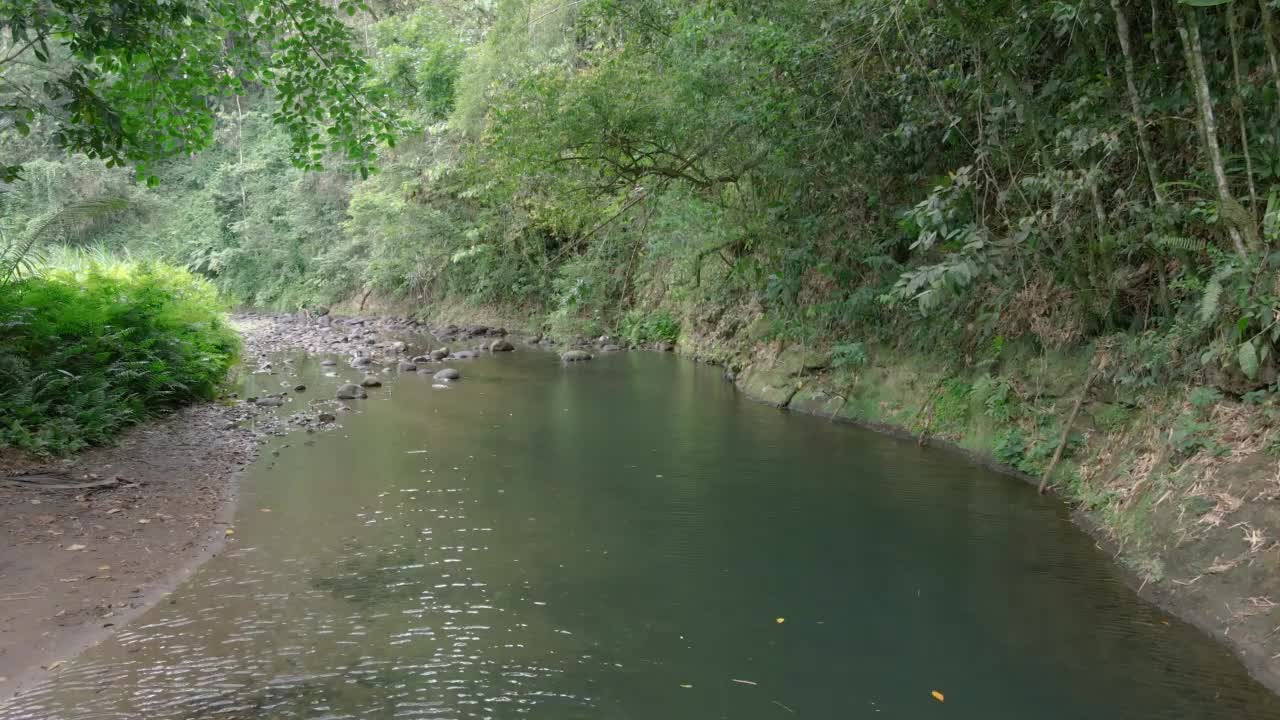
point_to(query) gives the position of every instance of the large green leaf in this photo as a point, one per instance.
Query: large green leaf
(1248, 357)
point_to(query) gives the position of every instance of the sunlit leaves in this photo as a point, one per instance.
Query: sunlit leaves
(138, 82)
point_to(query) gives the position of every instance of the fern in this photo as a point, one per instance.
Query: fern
(1186, 244)
(1211, 301)
(21, 254)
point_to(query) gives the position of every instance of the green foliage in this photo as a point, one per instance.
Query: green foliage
(90, 347)
(143, 86)
(996, 396)
(1112, 418)
(848, 356)
(646, 328)
(1190, 435)
(918, 175)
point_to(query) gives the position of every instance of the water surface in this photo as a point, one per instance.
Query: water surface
(631, 539)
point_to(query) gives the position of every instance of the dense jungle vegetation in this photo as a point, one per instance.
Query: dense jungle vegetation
(942, 175)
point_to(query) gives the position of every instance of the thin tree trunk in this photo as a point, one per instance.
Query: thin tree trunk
(1135, 102)
(1189, 32)
(1237, 101)
(244, 197)
(1269, 37)
(1066, 429)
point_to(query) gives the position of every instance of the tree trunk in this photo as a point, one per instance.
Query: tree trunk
(1237, 102)
(1189, 32)
(1269, 37)
(1135, 102)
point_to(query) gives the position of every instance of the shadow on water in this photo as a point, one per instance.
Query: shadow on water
(629, 538)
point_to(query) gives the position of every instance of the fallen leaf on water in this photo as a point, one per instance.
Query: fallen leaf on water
(113, 511)
(264, 509)
(937, 696)
(231, 531)
(686, 687)
(143, 521)
(104, 567)
(780, 620)
(73, 548)
(742, 682)
(54, 665)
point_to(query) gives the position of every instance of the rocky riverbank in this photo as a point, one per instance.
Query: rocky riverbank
(90, 542)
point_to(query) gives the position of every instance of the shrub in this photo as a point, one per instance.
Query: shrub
(643, 328)
(92, 346)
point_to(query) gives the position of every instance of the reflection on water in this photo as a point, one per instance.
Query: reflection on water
(630, 539)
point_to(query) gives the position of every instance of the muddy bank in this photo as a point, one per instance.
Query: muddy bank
(75, 564)
(90, 542)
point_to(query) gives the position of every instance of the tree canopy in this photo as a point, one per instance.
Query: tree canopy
(135, 82)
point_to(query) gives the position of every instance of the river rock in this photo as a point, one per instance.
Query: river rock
(269, 401)
(575, 356)
(440, 353)
(406, 366)
(610, 348)
(360, 362)
(299, 388)
(501, 346)
(397, 346)
(463, 355)
(326, 417)
(370, 381)
(351, 391)
(663, 346)
(447, 374)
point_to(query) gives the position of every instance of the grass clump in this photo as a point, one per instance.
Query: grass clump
(90, 346)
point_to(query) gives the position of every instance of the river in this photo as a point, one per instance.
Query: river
(629, 538)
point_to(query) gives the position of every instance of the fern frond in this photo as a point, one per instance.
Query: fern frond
(1185, 244)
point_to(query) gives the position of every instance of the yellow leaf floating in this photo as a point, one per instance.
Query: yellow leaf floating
(686, 687)
(780, 620)
(230, 531)
(938, 696)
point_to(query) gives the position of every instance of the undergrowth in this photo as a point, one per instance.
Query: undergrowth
(91, 346)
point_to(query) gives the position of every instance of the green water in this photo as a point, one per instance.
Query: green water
(618, 540)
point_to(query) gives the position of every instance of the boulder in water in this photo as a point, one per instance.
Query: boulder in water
(351, 391)
(501, 346)
(575, 356)
(370, 381)
(406, 366)
(447, 374)
(440, 353)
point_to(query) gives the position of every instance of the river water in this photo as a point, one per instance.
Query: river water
(631, 539)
